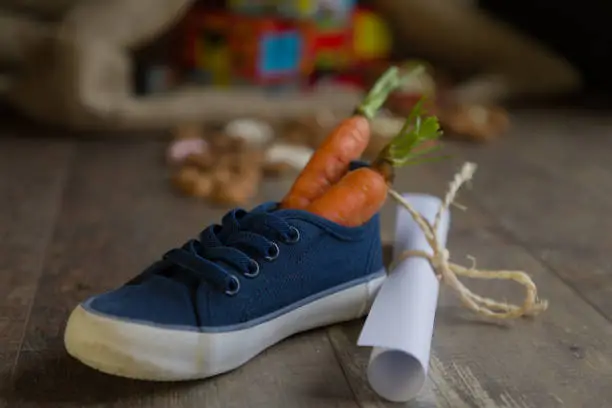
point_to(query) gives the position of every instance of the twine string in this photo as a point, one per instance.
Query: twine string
(449, 272)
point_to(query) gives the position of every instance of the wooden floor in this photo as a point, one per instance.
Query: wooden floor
(79, 217)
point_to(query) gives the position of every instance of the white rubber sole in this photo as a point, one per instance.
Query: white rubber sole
(145, 352)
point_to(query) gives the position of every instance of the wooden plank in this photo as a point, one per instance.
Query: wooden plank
(561, 358)
(119, 214)
(288, 375)
(550, 181)
(574, 145)
(32, 174)
(7, 361)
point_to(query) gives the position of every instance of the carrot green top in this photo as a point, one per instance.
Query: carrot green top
(417, 130)
(384, 86)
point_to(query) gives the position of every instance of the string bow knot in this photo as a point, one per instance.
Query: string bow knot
(448, 272)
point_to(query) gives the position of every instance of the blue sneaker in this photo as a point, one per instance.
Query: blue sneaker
(215, 303)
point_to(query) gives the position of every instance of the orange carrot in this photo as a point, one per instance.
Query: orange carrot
(330, 162)
(345, 143)
(361, 193)
(354, 199)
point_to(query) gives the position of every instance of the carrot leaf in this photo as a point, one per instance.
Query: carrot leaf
(384, 86)
(418, 129)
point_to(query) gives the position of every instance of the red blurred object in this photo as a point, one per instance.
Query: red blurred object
(198, 22)
(333, 48)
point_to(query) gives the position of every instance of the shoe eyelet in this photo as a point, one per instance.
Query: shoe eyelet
(293, 236)
(273, 252)
(253, 269)
(233, 286)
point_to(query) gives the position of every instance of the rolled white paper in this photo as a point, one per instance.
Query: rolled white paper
(400, 324)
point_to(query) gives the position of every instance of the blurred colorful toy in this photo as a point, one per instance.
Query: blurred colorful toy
(361, 39)
(371, 36)
(305, 9)
(271, 51)
(205, 50)
(280, 43)
(324, 12)
(333, 48)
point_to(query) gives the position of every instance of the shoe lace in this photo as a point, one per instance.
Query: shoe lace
(238, 244)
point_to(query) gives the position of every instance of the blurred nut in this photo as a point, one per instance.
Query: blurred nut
(203, 187)
(252, 158)
(222, 176)
(237, 192)
(221, 143)
(186, 178)
(230, 196)
(203, 161)
(241, 162)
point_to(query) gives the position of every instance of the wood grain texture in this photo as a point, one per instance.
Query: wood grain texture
(299, 372)
(7, 362)
(32, 175)
(548, 183)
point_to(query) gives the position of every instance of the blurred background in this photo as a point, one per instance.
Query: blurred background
(251, 87)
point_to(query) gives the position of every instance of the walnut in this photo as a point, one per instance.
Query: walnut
(230, 163)
(222, 176)
(203, 187)
(192, 181)
(252, 158)
(222, 143)
(228, 171)
(203, 161)
(237, 176)
(235, 189)
(231, 195)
